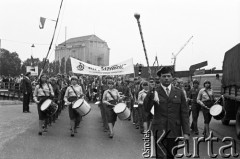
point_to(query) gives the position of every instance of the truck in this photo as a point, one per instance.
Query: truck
(231, 87)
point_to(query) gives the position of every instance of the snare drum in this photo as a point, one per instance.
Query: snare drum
(122, 111)
(217, 112)
(49, 107)
(82, 107)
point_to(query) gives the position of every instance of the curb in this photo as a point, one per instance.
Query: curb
(15, 102)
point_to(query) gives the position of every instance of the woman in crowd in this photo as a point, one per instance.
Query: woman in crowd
(73, 93)
(42, 92)
(111, 97)
(142, 118)
(195, 107)
(206, 100)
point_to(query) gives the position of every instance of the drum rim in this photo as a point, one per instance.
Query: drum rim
(48, 105)
(79, 105)
(121, 111)
(218, 117)
(87, 112)
(217, 114)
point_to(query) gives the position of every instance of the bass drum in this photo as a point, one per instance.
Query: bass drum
(49, 107)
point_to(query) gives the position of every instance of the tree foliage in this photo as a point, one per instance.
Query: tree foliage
(10, 63)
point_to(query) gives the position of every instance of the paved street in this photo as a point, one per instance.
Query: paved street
(19, 138)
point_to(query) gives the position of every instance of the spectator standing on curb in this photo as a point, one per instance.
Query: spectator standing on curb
(27, 91)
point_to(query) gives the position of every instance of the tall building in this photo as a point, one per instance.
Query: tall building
(90, 49)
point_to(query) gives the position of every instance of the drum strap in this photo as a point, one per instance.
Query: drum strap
(45, 92)
(111, 95)
(74, 91)
(208, 95)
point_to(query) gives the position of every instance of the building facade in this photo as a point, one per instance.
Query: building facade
(90, 49)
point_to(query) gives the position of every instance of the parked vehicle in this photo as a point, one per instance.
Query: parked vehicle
(231, 87)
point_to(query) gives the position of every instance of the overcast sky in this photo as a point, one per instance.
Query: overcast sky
(166, 26)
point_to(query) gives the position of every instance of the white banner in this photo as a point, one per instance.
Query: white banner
(33, 70)
(122, 68)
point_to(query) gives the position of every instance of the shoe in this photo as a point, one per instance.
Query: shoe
(134, 123)
(137, 127)
(40, 133)
(72, 134)
(28, 112)
(111, 135)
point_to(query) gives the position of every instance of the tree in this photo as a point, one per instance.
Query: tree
(68, 66)
(57, 67)
(62, 67)
(10, 63)
(28, 62)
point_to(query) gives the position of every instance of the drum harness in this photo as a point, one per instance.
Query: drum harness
(75, 92)
(112, 96)
(211, 99)
(43, 99)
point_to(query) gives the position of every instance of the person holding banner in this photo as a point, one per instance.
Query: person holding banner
(111, 97)
(73, 93)
(42, 92)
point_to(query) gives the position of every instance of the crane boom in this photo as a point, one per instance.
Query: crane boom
(175, 56)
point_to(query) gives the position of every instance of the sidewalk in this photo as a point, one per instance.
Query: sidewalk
(10, 102)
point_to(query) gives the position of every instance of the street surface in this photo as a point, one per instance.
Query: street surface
(19, 137)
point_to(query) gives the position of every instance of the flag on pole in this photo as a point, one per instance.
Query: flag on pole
(42, 22)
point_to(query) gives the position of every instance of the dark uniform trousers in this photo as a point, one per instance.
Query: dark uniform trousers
(170, 115)
(27, 91)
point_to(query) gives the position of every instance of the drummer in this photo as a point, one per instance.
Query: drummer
(206, 99)
(73, 93)
(42, 92)
(111, 97)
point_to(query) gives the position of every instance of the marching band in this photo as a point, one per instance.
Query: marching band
(147, 104)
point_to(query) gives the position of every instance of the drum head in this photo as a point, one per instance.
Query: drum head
(135, 105)
(120, 107)
(98, 102)
(46, 104)
(77, 103)
(152, 110)
(216, 110)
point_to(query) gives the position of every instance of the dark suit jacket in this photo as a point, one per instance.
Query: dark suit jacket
(170, 114)
(26, 85)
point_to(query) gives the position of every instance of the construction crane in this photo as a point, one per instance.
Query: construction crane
(175, 56)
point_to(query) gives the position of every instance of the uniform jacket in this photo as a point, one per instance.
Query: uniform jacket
(26, 85)
(171, 114)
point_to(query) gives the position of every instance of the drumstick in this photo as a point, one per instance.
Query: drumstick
(218, 99)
